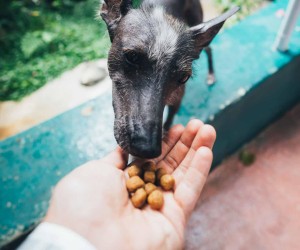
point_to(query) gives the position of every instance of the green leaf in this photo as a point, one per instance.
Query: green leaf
(30, 43)
(48, 37)
(247, 158)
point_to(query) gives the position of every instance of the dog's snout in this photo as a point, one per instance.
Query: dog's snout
(145, 141)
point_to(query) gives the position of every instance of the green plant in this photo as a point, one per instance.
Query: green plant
(247, 7)
(247, 158)
(42, 53)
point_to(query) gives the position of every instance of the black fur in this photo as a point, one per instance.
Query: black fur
(149, 61)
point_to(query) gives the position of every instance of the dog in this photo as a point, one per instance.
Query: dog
(149, 62)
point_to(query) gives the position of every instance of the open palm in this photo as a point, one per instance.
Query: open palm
(93, 201)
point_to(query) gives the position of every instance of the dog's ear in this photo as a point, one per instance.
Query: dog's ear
(112, 12)
(205, 32)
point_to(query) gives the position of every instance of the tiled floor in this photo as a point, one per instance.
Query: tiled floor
(255, 207)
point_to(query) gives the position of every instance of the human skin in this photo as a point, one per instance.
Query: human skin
(93, 201)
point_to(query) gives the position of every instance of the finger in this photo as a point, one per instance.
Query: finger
(180, 149)
(188, 191)
(205, 137)
(170, 139)
(117, 158)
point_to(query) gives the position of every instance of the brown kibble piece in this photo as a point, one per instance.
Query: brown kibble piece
(149, 188)
(134, 170)
(167, 182)
(149, 176)
(134, 183)
(156, 199)
(139, 198)
(160, 172)
(149, 166)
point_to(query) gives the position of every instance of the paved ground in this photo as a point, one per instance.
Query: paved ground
(256, 207)
(55, 97)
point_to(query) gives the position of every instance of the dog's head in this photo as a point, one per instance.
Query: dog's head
(149, 61)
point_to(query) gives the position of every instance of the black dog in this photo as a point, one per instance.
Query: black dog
(149, 62)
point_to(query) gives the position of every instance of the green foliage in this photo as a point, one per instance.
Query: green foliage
(35, 41)
(41, 52)
(136, 3)
(247, 7)
(247, 158)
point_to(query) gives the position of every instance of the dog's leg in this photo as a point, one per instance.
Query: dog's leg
(172, 110)
(211, 79)
(194, 16)
(173, 106)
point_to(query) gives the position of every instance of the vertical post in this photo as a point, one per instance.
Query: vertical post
(287, 25)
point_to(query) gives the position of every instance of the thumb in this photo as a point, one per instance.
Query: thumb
(117, 158)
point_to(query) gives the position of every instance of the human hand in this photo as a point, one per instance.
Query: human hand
(93, 200)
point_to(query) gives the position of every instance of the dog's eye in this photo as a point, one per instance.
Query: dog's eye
(184, 78)
(132, 58)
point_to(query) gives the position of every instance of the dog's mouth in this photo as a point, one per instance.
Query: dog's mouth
(141, 139)
(146, 144)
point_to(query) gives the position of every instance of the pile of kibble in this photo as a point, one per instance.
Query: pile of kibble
(145, 184)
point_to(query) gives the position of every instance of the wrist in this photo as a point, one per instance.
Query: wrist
(50, 235)
(94, 232)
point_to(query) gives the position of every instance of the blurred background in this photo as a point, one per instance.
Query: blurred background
(41, 39)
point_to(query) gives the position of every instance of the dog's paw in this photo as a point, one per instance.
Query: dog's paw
(211, 79)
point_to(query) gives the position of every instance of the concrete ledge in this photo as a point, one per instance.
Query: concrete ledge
(241, 121)
(255, 85)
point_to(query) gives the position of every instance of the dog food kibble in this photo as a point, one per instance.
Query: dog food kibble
(149, 166)
(144, 190)
(139, 198)
(160, 172)
(156, 200)
(167, 182)
(149, 188)
(134, 183)
(149, 176)
(134, 170)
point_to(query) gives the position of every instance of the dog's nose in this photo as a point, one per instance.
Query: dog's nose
(144, 150)
(146, 143)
